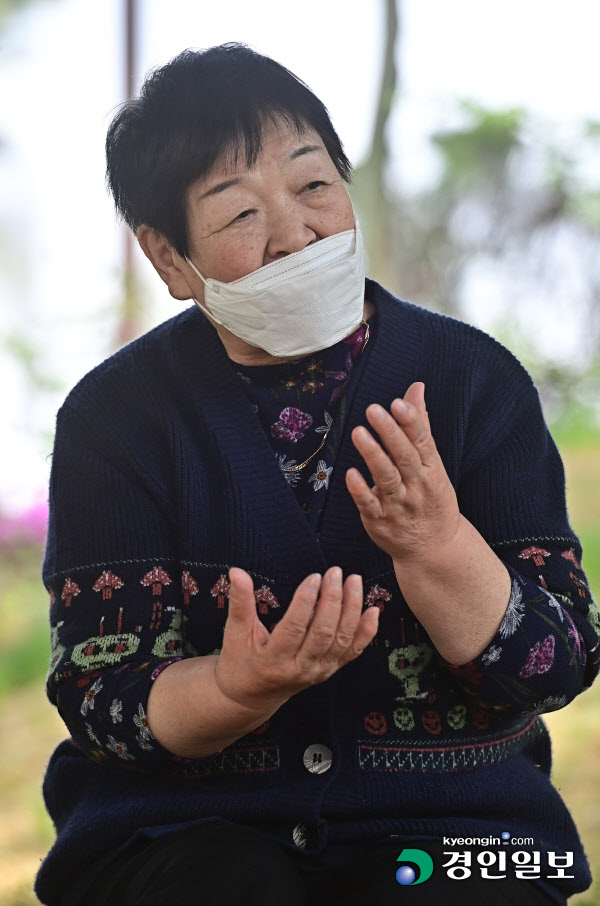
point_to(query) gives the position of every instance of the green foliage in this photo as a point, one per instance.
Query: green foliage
(590, 542)
(585, 207)
(25, 645)
(26, 660)
(576, 428)
(473, 155)
(7, 7)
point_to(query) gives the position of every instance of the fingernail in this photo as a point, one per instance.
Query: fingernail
(376, 412)
(400, 405)
(355, 583)
(314, 582)
(335, 574)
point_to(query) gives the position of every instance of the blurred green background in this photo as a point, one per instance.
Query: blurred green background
(491, 214)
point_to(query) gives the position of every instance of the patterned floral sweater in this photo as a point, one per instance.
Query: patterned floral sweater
(158, 490)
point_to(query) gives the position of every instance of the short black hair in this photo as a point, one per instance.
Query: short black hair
(199, 106)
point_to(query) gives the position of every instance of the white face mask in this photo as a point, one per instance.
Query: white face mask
(298, 304)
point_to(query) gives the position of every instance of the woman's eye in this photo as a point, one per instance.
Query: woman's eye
(243, 216)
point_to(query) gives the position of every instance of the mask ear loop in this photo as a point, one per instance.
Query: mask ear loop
(202, 307)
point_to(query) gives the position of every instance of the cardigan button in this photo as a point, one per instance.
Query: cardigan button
(304, 835)
(317, 758)
(300, 835)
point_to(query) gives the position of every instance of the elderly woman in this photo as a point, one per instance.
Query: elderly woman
(303, 625)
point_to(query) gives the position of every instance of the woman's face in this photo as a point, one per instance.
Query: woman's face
(240, 219)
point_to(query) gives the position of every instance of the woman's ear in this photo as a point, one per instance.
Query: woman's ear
(166, 262)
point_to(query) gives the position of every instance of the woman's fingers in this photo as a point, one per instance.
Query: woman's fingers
(290, 632)
(242, 604)
(367, 502)
(416, 396)
(366, 632)
(355, 628)
(388, 469)
(411, 414)
(338, 632)
(323, 627)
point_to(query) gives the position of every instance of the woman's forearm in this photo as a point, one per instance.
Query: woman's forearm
(459, 593)
(190, 716)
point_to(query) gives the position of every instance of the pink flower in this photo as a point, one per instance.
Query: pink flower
(343, 376)
(292, 424)
(25, 527)
(356, 340)
(540, 658)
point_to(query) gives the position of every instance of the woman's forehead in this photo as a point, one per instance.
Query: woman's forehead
(279, 139)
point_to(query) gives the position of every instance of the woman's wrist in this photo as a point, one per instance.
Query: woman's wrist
(190, 716)
(459, 593)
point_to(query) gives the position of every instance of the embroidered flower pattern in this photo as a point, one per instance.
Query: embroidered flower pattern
(292, 424)
(514, 612)
(573, 633)
(313, 367)
(551, 703)
(320, 478)
(119, 748)
(378, 597)
(294, 401)
(143, 743)
(343, 377)
(540, 658)
(552, 602)
(141, 721)
(90, 696)
(323, 429)
(92, 735)
(356, 340)
(115, 711)
(312, 385)
(292, 478)
(492, 655)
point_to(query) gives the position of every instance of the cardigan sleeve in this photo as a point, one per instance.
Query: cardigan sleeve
(116, 618)
(547, 648)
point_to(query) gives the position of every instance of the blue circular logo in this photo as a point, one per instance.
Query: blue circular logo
(405, 875)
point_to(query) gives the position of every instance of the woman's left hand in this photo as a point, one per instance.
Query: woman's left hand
(411, 512)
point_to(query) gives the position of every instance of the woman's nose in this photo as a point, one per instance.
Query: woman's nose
(287, 234)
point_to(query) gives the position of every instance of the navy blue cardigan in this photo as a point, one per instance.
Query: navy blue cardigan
(163, 478)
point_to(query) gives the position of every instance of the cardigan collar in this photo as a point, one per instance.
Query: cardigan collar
(391, 365)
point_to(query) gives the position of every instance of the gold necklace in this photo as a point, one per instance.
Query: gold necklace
(322, 444)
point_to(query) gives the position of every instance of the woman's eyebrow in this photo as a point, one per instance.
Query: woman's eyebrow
(305, 149)
(220, 187)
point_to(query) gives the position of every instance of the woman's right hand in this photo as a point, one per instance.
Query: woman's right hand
(322, 629)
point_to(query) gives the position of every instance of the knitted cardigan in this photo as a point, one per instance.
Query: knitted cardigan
(163, 478)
